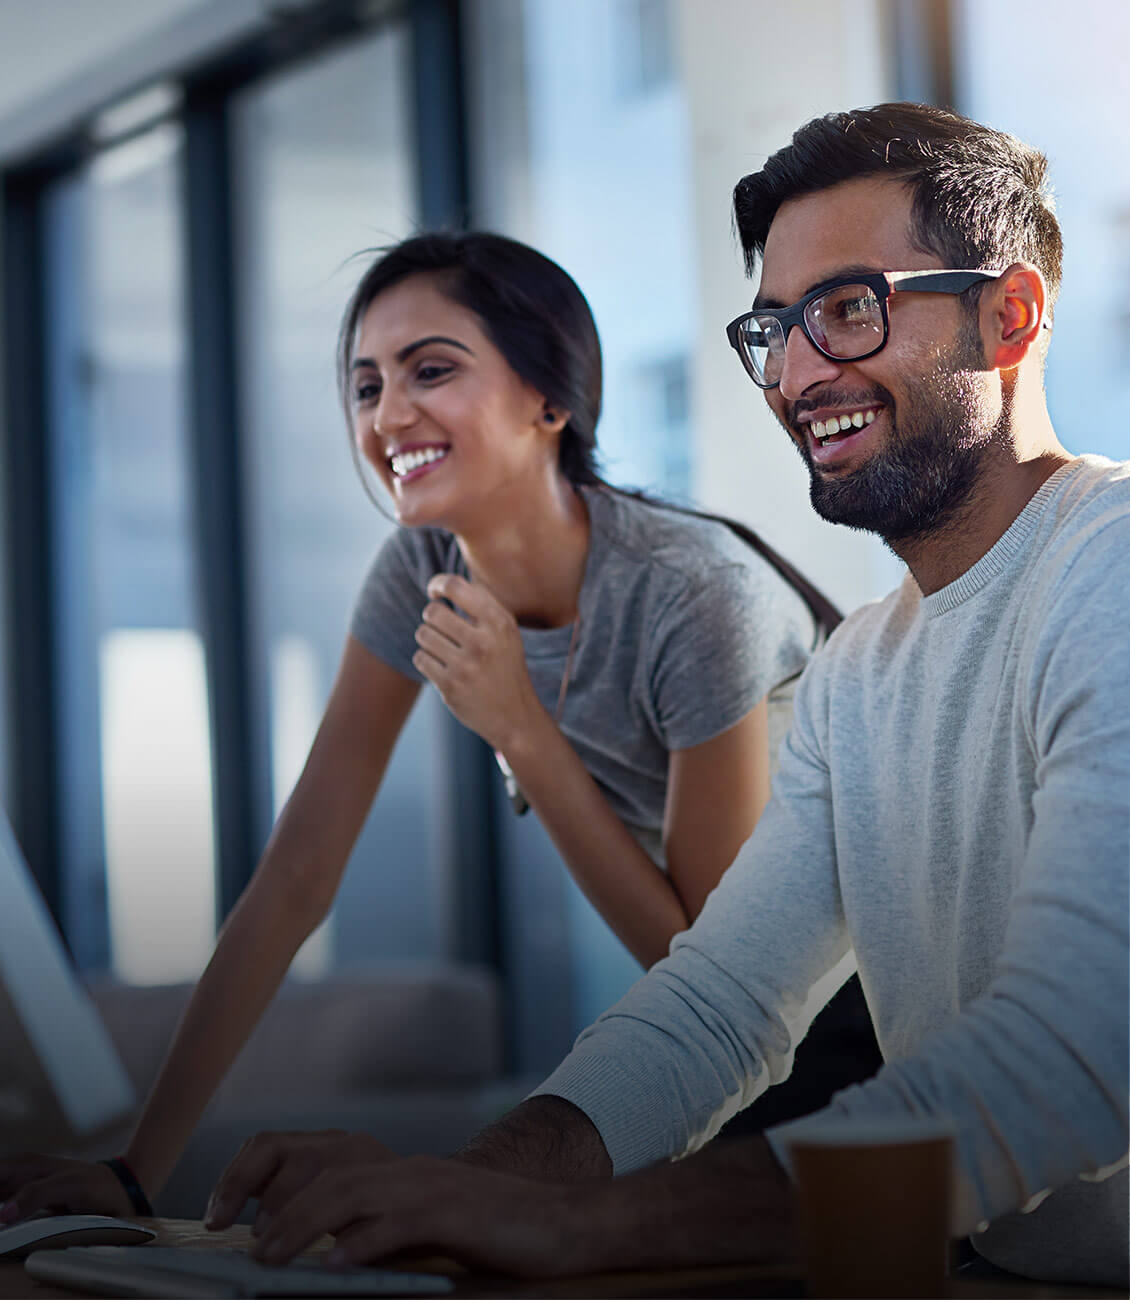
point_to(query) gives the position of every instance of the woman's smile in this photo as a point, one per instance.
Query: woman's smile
(415, 460)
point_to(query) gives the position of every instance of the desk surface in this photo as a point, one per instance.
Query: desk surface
(731, 1281)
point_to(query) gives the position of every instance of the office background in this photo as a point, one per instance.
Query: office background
(185, 187)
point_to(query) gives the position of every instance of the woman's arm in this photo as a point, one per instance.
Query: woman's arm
(288, 896)
(715, 793)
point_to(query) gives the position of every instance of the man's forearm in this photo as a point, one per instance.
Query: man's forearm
(546, 1138)
(729, 1203)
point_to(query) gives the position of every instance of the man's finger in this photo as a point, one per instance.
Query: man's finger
(369, 1240)
(253, 1167)
(290, 1178)
(332, 1201)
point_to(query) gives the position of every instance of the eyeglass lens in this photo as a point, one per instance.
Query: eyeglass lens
(844, 323)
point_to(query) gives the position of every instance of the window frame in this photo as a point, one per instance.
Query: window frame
(36, 729)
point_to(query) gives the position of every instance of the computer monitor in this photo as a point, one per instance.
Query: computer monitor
(61, 1080)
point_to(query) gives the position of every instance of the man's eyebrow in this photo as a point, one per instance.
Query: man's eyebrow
(859, 268)
(367, 363)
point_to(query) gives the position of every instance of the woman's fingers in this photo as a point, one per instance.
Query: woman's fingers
(456, 627)
(75, 1187)
(16, 1171)
(475, 600)
(437, 647)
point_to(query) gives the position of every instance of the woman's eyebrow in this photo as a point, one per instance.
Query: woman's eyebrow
(367, 363)
(406, 351)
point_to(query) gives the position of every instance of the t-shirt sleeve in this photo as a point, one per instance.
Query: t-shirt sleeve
(721, 644)
(392, 598)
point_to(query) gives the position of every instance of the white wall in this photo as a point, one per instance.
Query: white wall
(754, 70)
(1074, 73)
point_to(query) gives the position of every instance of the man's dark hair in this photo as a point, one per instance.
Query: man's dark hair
(981, 198)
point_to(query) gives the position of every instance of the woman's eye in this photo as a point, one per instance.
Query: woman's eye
(428, 374)
(366, 393)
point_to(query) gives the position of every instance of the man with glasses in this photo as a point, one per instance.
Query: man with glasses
(953, 800)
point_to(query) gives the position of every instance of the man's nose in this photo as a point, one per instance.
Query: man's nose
(804, 365)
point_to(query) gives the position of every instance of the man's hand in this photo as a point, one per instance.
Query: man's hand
(474, 657)
(729, 1203)
(488, 1220)
(276, 1167)
(30, 1183)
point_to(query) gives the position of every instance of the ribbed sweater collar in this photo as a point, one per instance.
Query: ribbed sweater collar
(996, 560)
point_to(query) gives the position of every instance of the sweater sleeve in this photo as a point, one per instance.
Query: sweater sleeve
(711, 1026)
(1033, 1072)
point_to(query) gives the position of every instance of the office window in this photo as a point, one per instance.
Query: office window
(138, 851)
(642, 46)
(660, 413)
(602, 185)
(324, 170)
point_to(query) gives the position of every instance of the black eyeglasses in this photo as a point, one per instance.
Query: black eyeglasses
(845, 319)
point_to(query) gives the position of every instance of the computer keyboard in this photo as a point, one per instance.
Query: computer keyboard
(161, 1271)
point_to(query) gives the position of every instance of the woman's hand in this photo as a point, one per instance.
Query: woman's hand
(30, 1183)
(473, 655)
(275, 1167)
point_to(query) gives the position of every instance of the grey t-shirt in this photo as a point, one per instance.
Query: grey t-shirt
(684, 628)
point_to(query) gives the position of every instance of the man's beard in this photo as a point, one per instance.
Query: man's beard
(925, 475)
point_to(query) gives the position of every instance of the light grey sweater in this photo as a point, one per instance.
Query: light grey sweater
(953, 802)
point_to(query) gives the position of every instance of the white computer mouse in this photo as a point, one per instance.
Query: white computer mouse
(57, 1230)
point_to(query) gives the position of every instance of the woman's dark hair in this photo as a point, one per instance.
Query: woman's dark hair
(540, 321)
(981, 198)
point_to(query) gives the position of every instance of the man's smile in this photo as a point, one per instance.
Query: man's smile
(833, 432)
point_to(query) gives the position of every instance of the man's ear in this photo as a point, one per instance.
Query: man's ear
(1013, 311)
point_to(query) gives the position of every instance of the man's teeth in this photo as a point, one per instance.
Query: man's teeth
(405, 462)
(822, 429)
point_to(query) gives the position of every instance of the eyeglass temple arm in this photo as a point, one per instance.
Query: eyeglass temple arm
(945, 282)
(937, 281)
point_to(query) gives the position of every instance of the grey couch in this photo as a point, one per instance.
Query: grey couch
(410, 1053)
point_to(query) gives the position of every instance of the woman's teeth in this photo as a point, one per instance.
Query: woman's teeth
(836, 424)
(405, 462)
